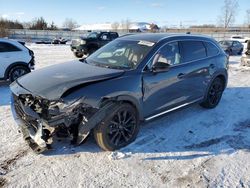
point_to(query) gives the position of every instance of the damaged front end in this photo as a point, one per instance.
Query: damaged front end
(41, 120)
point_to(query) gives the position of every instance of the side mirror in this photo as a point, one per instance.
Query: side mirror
(160, 67)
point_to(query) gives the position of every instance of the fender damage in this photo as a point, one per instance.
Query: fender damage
(41, 119)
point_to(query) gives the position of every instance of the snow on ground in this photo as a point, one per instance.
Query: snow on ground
(192, 147)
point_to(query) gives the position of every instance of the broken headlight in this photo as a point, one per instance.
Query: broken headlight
(57, 107)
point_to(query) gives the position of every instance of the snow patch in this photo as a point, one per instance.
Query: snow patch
(116, 155)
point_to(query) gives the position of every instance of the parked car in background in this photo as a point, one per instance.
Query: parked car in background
(59, 40)
(245, 59)
(240, 38)
(15, 59)
(44, 41)
(88, 45)
(232, 47)
(131, 79)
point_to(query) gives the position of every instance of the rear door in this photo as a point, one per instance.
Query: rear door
(196, 67)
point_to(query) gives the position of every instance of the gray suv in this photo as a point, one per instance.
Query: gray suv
(132, 79)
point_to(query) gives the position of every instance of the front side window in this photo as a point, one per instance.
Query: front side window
(121, 54)
(169, 54)
(92, 35)
(192, 50)
(7, 47)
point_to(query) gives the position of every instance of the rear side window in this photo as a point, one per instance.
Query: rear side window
(192, 50)
(105, 36)
(212, 50)
(113, 36)
(7, 47)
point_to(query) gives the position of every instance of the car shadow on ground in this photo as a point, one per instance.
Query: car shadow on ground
(4, 93)
(188, 133)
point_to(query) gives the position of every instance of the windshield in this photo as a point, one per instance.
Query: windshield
(121, 54)
(226, 43)
(92, 35)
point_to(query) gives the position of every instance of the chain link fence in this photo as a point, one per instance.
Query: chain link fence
(34, 35)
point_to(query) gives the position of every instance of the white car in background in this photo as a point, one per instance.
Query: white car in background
(15, 59)
(240, 38)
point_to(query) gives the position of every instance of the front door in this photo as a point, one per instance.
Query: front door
(183, 83)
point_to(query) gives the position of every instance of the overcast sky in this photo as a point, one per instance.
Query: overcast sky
(162, 12)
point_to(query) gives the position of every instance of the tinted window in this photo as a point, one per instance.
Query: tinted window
(238, 43)
(6, 47)
(105, 36)
(235, 43)
(192, 50)
(113, 35)
(226, 43)
(170, 54)
(212, 50)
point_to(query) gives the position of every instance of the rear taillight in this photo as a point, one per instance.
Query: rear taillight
(31, 52)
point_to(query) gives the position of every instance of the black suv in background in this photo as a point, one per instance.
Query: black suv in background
(88, 45)
(131, 79)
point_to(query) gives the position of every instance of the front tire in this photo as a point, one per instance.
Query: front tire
(214, 94)
(118, 129)
(17, 72)
(78, 54)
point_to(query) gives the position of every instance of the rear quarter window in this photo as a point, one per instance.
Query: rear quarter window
(7, 47)
(212, 50)
(192, 50)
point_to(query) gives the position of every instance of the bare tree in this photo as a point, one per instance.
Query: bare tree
(126, 25)
(39, 24)
(3, 31)
(69, 23)
(248, 18)
(115, 26)
(228, 13)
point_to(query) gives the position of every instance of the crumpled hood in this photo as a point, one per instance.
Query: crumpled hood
(51, 82)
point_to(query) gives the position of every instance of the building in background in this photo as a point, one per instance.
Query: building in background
(125, 26)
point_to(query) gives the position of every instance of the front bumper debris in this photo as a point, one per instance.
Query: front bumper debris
(39, 132)
(33, 136)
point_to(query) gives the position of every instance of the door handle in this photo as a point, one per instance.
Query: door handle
(212, 66)
(181, 75)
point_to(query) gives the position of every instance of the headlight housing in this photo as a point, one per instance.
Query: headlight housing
(83, 42)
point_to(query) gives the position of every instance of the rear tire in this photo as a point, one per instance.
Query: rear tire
(240, 52)
(17, 72)
(214, 94)
(118, 129)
